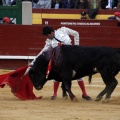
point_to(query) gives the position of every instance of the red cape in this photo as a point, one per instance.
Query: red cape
(21, 88)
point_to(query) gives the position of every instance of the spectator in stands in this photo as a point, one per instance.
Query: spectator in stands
(81, 4)
(56, 4)
(1, 3)
(13, 2)
(83, 15)
(112, 4)
(94, 4)
(115, 17)
(109, 6)
(6, 20)
(104, 3)
(115, 4)
(44, 4)
(5, 2)
(1, 20)
(68, 3)
(34, 3)
(118, 5)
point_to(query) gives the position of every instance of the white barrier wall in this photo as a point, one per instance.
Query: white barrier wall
(26, 13)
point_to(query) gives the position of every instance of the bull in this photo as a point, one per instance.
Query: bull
(84, 61)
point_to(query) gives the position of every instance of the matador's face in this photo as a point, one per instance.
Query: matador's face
(51, 35)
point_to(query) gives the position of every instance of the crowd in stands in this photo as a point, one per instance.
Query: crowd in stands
(76, 4)
(73, 4)
(10, 2)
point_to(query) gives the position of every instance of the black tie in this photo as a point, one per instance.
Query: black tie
(57, 40)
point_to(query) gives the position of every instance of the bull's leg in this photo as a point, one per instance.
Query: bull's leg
(111, 88)
(66, 75)
(68, 89)
(64, 92)
(99, 97)
(111, 84)
(101, 94)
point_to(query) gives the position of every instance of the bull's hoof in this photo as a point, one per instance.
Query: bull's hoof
(65, 97)
(107, 100)
(98, 98)
(75, 99)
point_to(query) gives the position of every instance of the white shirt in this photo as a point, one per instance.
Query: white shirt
(61, 34)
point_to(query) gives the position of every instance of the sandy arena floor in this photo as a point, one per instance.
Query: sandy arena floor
(11, 108)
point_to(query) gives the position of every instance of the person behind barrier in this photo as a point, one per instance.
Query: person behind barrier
(81, 4)
(83, 15)
(68, 3)
(56, 4)
(6, 20)
(46, 4)
(115, 17)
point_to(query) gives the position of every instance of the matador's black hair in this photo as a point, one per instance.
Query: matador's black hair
(47, 30)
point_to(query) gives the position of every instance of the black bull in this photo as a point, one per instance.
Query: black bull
(83, 61)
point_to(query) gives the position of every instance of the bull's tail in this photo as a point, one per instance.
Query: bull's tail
(90, 78)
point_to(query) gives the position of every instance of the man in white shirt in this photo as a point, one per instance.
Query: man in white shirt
(44, 4)
(53, 38)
